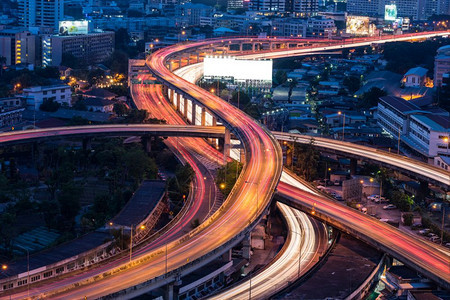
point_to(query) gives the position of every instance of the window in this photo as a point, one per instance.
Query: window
(35, 278)
(59, 270)
(71, 266)
(8, 286)
(54, 92)
(63, 96)
(48, 274)
(22, 282)
(45, 92)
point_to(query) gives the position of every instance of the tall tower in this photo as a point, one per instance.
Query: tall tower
(46, 13)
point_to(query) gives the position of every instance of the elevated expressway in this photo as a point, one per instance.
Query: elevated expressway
(239, 213)
(431, 260)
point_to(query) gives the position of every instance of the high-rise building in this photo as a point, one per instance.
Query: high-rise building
(18, 46)
(306, 7)
(234, 4)
(441, 64)
(40, 12)
(364, 7)
(267, 6)
(90, 48)
(414, 9)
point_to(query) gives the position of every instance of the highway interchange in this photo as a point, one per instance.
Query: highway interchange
(239, 212)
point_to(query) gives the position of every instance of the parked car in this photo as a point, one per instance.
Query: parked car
(338, 198)
(435, 239)
(373, 197)
(364, 210)
(389, 206)
(337, 182)
(424, 231)
(381, 200)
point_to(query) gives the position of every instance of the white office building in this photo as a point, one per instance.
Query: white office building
(45, 13)
(424, 132)
(441, 64)
(36, 95)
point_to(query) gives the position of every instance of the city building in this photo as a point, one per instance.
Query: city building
(10, 116)
(415, 9)
(36, 95)
(425, 132)
(18, 46)
(98, 105)
(189, 14)
(234, 4)
(441, 64)
(415, 77)
(267, 6)
(303, 8)
(40, 13)
(91, 48)
(11, 101)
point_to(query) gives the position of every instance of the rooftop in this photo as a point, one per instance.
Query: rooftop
(141, 204)
(97, 102)
(419, 71)
(435, 122)
(100, 93)
(399, 104)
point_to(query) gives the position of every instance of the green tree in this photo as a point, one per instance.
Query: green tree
(227, 176)
(49, 105)
(120, 109)
(352, 83)
(280, 77)
(69, 60)
(7, 231)
(307, 160)
(241, 97)
(69, 203)
(370, 99)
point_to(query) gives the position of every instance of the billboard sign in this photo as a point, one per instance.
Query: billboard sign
(238, 69)
(390, 12)
(357, 25)
(73, 27)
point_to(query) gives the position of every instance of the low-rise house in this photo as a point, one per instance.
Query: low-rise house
(99, 105)
(415, 77)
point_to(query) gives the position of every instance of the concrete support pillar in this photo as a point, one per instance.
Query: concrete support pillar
(227, 256)
(246, 246)
(87, 144)
(214, 121)
(226, 145)
(203, 116)
(241, 46)
(353, 166)
(171, 95)
(185, 112)
(170, 65)
(198, 57)
(254, 47)
(147, 143)
(242, 156)
(178, 101)
(169, 292)
(194, 113)
(180, 61)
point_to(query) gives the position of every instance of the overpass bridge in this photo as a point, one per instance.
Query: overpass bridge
(258, 180)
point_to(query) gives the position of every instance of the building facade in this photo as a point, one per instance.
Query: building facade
(441, 64)
(36, 95)
(46, 13)
(424, 132)
(91, 48)
(18, 46)
(268, 6)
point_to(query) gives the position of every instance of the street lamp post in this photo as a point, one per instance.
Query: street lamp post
(343, 124)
